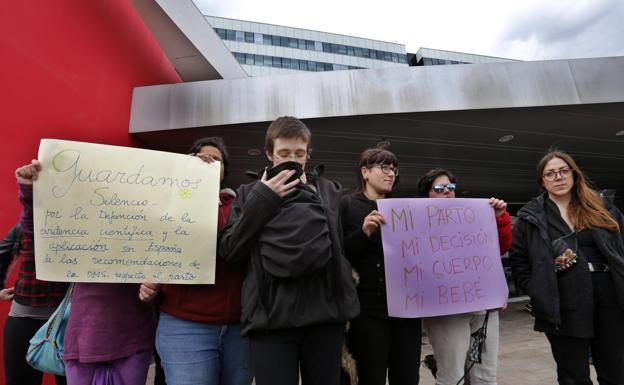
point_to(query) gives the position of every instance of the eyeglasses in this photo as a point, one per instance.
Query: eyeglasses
(439, 188)
(564, 173)
(386, 168)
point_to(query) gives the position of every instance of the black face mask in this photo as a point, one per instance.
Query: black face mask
(290, 165)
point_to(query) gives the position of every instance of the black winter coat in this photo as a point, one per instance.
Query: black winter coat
(296, 271)
(568, 296)
(365, 254)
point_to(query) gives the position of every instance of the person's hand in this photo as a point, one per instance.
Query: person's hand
(278, 182)
(148, 291)
(499, 206)
(6, 294)
(28, 173)
(205, 157)
(372, 223)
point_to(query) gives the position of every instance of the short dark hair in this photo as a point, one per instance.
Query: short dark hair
(218, 143)
(287, 127)
(373, 156)
(425, 182)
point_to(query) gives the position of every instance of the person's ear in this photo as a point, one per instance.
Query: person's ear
(364, 171)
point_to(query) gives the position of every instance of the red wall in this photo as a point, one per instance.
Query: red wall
(67, 72)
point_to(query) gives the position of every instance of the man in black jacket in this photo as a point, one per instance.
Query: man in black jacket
(298, 291)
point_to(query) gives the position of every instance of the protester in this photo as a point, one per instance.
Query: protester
(298, 291)
(199, 333)
(110, 332)
(450, 335)
(568, 255)
(380, 344)
(32, 301)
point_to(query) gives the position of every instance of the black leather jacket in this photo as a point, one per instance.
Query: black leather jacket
(532, 259)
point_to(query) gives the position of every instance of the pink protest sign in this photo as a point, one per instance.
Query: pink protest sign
(441, 256)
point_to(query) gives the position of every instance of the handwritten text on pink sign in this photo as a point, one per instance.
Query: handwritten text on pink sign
(441, 256)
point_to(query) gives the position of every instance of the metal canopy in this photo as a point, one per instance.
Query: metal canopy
(442, 116)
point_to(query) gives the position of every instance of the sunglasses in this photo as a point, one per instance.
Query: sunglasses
(439, 188)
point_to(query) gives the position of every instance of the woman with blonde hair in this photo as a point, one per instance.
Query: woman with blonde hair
(568, 255)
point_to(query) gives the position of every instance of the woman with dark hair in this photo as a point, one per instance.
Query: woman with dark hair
(450, 335)
(380, 344)
(199, 333)
(568, 255)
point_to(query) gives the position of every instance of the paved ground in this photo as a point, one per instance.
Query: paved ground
(524, 357)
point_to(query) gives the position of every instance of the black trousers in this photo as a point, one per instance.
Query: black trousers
(17, 333)
(607, 347)
(278, 355)
(383, 345)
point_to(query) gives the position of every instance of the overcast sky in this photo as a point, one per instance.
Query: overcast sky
(517, 29)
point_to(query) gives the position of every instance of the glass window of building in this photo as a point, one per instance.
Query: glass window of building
(240, 57)
(326, 47)
(365, 52)
(293, 43)
(294, 64)
(373, 54)
(318, 46)
(268, 61)
(285, 62)
(277, 62)
(257, 38)
(328, 66)
(249, 37)
(230, 35)
(249, 59)
(267, 39)
(221, 32)
(240, 35)
(303, 65)
(395, 57)
(311, 65)
(350, 51)
(342, 49)
(302, 43)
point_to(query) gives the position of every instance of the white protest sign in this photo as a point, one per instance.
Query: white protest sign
(116, 214)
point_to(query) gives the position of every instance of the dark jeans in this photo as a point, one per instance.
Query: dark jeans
(607, 347)
(386, 345)
(277, 355)
(17, 333)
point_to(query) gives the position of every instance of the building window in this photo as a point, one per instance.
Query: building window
(257, 38)
(318, 46)
(326, 47)
(249, 37)
(240, 35)
(230, 35)
(267, 40)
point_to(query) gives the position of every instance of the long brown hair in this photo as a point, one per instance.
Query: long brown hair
(586, 208)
